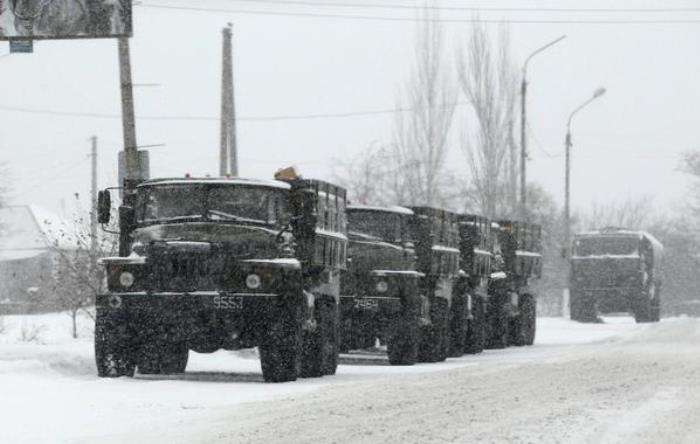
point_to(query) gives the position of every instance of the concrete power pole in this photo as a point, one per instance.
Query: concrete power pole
(228, 151)
(128, 119)
(93, 204)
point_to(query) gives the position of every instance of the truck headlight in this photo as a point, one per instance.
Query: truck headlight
(126, 279)
(253, 281)
(382, 287)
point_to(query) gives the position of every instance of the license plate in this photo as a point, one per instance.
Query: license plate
(366, 304)
(228, 302)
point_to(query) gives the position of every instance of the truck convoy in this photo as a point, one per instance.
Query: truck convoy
(615, 270)
(209, 264)
(421, 281)
(229, 263)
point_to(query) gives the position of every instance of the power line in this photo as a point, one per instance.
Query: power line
(310, 116)
(397, 6)
(413, 20)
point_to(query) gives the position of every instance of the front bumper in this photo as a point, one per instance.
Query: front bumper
(610, 299)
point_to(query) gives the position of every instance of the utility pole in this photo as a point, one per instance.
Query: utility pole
(228, 150)
(128, 120)
(523, 128)
(93, 204)
(567, 176)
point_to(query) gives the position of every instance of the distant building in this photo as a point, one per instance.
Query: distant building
(30, 241)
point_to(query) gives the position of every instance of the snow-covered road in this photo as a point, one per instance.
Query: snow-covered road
(612, 382)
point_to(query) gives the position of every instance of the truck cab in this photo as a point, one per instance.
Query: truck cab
(379, 291)
(225, 263)
(615, 270)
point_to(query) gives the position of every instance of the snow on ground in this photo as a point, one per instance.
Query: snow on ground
(50, 392)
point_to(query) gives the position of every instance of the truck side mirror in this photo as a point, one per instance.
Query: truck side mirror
(104, 206)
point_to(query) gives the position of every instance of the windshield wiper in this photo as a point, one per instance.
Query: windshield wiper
(234, 217)
(174, 218)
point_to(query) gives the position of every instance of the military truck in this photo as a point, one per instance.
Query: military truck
(380, 290)
(436, 237)
(467, 325)
(226, 263)
(615, 270)
(511, 310)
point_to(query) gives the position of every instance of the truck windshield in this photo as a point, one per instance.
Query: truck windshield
(607, 245)
(385, 226)
(211, 202)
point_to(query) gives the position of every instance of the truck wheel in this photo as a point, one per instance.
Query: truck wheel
(582, 310)
(113, 346)
(644, 306)
(476, 333)
(497, 324)
(158, 356)
(458, 325)
(174, 358)
(280, 347)
(331, 346)
(320, 347)
(402, 344)
(656, 307)
(524, 325)
(433, 344)
(346, 337)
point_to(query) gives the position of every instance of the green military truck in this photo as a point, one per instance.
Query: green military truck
(511, 311)
(209, 264)
(467, 325)
(615, 270)
(380, 290)
(436, 235)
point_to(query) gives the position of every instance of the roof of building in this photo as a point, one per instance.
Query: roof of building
(27, 231)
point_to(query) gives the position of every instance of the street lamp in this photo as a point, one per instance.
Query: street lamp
(567, 194)
(523, 123)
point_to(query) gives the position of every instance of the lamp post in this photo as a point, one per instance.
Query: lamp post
(523, 124)
(567, 187)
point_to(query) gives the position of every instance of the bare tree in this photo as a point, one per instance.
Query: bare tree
(487, 77)
(367, 176)
(77, 279)
(632, 213)
(421, 132)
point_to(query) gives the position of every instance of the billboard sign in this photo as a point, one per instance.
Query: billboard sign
(64, 19)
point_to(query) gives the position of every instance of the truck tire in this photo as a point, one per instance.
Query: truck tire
(459, 324)
(113, 346)
(280, 347)
(332, 336)
(434, 340)
(320, 346)
(475, 338)
(582, 310)
(656, 307)
(524, 325)
(158, 356)
(643, 309)
(404, 335)
(497, 324)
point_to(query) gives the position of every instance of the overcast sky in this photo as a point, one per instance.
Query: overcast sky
(625, 144)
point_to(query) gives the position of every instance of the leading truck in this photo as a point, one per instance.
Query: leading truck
(615, 270)
(229, 263)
